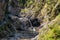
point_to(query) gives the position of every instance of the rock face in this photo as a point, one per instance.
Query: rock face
(25, 23)
(13, 7)
(22, 23)
(9, 5)
(18, 26)
(35, 22)
(1, 10)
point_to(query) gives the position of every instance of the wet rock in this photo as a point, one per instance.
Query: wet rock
(22, 23)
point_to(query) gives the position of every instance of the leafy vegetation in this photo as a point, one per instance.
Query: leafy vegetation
(53, 31)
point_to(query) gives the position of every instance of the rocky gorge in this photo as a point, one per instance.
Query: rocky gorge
(29, 19)
(15, 25)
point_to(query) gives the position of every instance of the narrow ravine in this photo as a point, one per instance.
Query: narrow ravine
(17, 26)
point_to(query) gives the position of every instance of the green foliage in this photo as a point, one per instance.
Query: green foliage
(53, 32)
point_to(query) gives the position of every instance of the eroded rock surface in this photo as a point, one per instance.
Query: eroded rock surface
(16, 26)
(2, 12)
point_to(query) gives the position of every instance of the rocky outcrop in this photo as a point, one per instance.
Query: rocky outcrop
(15, 25)
(13, 7)
(2, 12)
